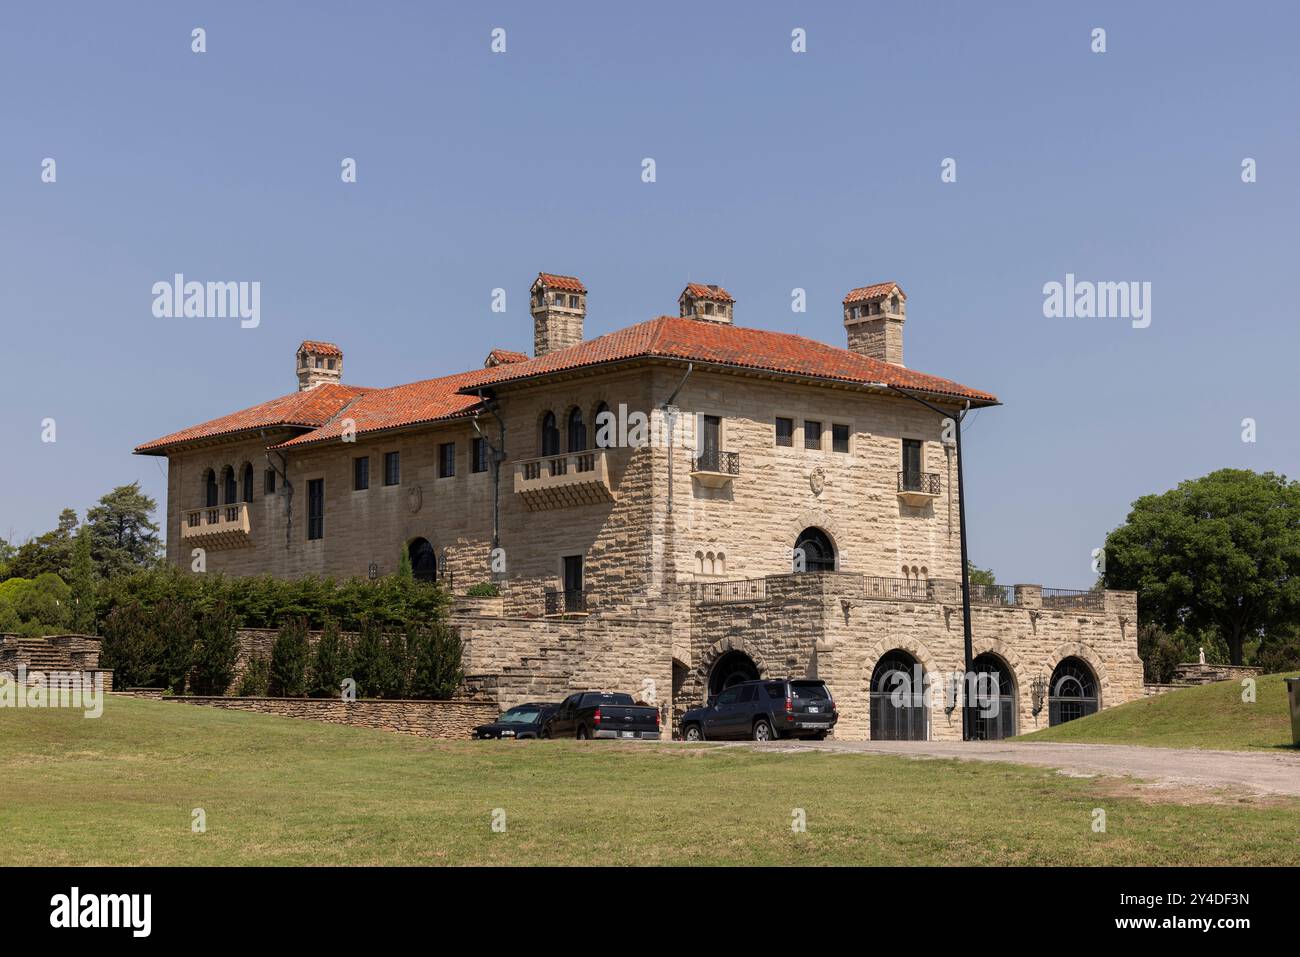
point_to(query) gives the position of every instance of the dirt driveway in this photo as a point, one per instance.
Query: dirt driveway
(1262, 772)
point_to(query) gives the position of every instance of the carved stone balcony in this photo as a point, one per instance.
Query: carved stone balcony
(714, 468)
(221, 526)
(918, 488)
(562, 481)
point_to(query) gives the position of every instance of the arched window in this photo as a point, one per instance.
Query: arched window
(248, 482)
(424, 561)
(814, 551)
(601, 420)
(229, 491)
(1072, 692)
(898, 707)
(993, 699)
(699, 562)
(577, 431)
(720, 564)
(550, 438)
(210, 499)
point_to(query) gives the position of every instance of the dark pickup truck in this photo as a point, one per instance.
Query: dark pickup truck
(603, 714)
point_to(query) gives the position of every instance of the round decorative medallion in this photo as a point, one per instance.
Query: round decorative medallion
(817, 479)
(414, 498)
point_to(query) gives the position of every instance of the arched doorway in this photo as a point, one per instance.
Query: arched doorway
(993, 698)
(1072, 693)
(424, 561)
(730, 669)
(814, 551)
(898, 707)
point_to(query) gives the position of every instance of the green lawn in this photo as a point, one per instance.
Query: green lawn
(120, 790)
(1209, 716)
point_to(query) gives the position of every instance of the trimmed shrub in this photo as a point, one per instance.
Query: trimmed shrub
(289, 656)
(216, 650)
(330, 664)
(436, 651)
(483, 590)
(174, 625)
(256, 682)
(131, 647)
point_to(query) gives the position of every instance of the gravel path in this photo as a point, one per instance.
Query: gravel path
(1262, 772)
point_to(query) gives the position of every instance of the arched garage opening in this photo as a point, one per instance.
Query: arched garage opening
(994, 699)
(1072, 692)
(730, 669)
(898, 707)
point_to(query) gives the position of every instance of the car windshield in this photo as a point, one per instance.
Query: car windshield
(808, 691)
(524, 714)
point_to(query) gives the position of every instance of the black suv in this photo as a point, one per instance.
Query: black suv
(764, 711)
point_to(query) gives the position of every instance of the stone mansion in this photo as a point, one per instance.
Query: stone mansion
(667, 509)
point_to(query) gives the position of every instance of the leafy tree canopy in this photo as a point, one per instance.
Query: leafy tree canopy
(1219, 552)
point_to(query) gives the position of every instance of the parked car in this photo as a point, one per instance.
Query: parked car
(764, 711)
(521, 721)
(603, 714)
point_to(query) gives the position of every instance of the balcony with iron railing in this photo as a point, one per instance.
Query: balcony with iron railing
(715, 468)
(561, 603)
(561, 481)
(918, 488)
(217, 526)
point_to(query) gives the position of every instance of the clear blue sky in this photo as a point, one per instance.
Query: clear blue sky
(775, 170)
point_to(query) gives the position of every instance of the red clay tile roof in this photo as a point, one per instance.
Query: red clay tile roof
(672, 337)
(567, 283)
(878, 291)
(320, 348)
(701, 291)
(499, 357)
(308, 409)
(416, 403)
(325, 408)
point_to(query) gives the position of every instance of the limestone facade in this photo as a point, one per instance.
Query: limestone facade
(689, 538)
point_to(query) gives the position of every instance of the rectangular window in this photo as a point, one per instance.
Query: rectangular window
(784, 432)
(268, 481)
(812, 434)
(446, 460)
(361, 474)
(316, 509)
(392, 468)
(840, 437)
(912, 457)
(479, 455)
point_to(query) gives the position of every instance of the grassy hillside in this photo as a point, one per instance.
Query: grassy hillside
(1209, 716)
(121, 789)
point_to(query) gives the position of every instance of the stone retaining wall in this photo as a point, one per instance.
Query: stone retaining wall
(428, 719)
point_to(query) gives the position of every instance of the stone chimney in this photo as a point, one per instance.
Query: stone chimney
(874, 317)
(318, 363)
(706, 301)
(559, 306)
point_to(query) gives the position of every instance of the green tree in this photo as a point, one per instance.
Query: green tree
(370, 662)
(330, 665)
(404, 569)
(173, 624)
(980, 576)
(131, 646)
(81, 581)
(436, 653)
(1219, 552)
(46, 554)
(216, 650)
(289, 656)
(123, 536)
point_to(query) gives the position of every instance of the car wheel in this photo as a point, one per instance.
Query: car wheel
(763, 730)
(582, 732)
(819, 736)
(692, 733)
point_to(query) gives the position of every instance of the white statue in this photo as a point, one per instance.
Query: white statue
(1202, 656)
